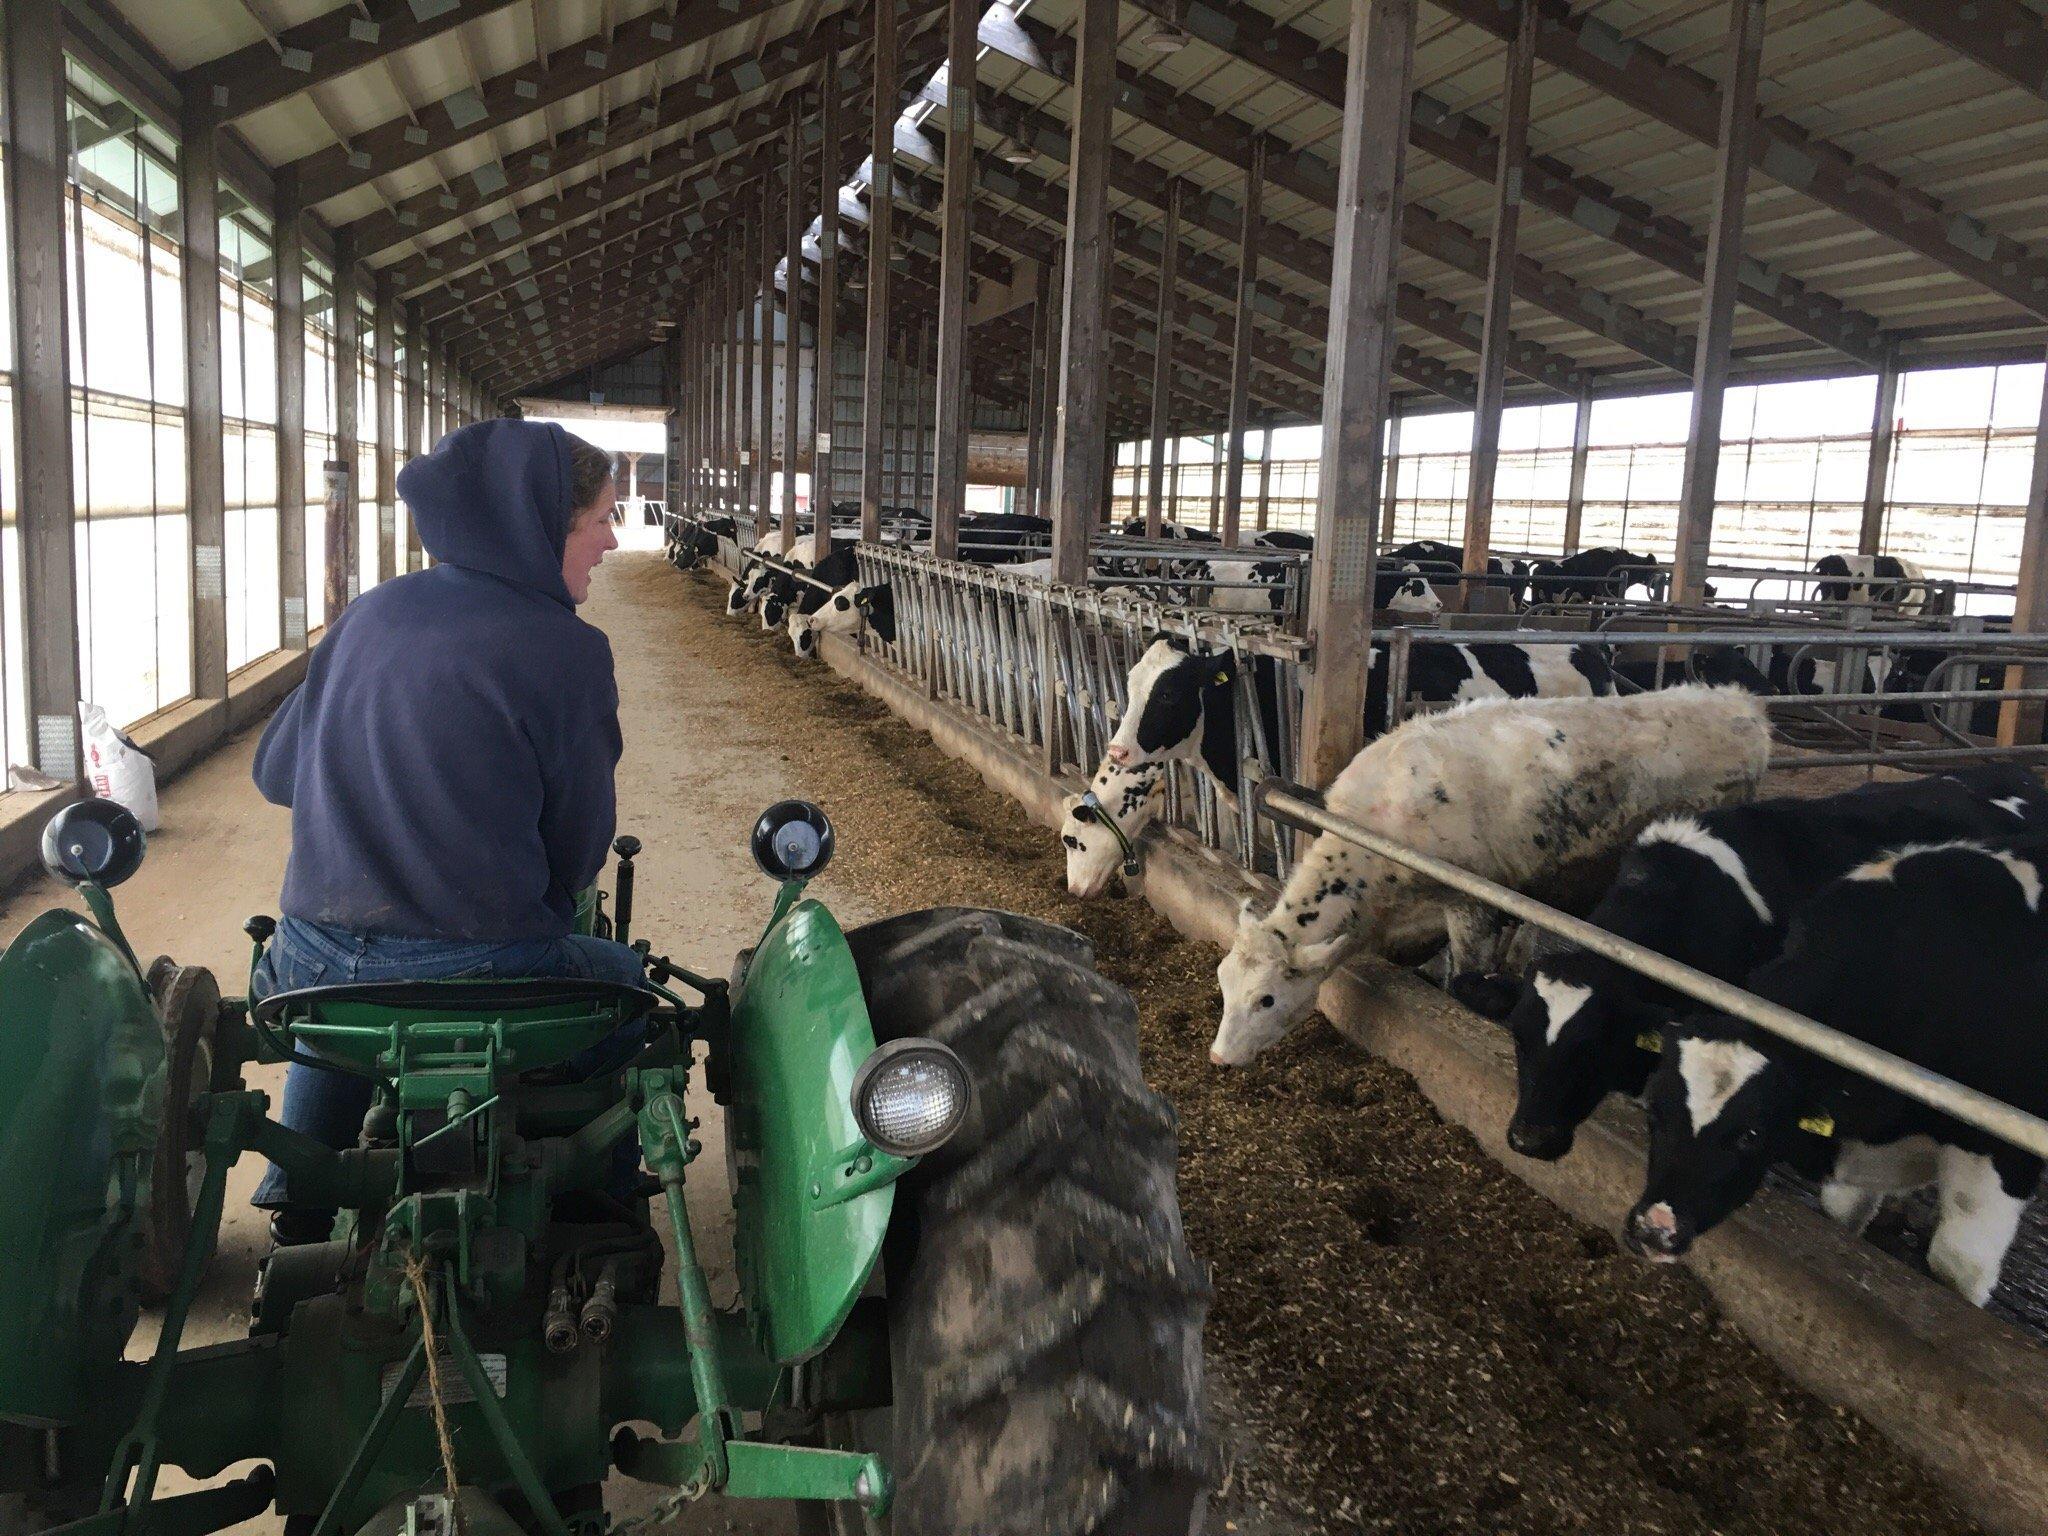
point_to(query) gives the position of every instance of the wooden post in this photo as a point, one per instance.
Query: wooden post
(748, 450)
(415, 422)
(793, 330)
(342, 572)
(1500, 285)
(386, 365)
(949, 477)
(1265, 472)
(825, 375)
(1173, 480)
(1083, 433)
(1717, 302)
(1373, 142)
(1392, 509)
(881, 229)
(205, 472)
(764, 398)
(38, 148)
(1877, 478)
(1241, 344)
(437, 388)
(2020, 721)
(1163, 314)
(289, 283)
(921, 403)
(1034, 398)
(1575, 492)
(1048, 390)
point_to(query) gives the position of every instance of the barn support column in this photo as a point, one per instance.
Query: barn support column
(764, 396)
(1877, 478)
(1740, 61)
(205, 471)
(949, 473)
(881, 228)
(2020, 721)
(921, 403)
(1575, 490)
(38, 145)
(1265, 474)
(1162, 359)
(1048, 391)
(1242, 337)
(1392, 508)
(1173, 480)
(825, 372)
(1373, 142)
(1215, 481)
(343, 575)
(1034, 395)
(793, 331)
(744, 423)
(288, 339)
(437, 386)
(1500, 284)
(415, 419)
(387, 429)
(1078, 483)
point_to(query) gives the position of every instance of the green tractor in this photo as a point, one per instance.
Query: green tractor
(965, 1303)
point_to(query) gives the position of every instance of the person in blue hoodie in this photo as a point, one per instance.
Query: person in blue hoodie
(448, 760)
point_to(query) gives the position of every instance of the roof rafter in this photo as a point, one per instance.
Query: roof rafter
(1685, 100)
(2002, 35)
(1461, 141)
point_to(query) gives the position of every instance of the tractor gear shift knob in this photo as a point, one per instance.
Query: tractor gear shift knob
(626, 846)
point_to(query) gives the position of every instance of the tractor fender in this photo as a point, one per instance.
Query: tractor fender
(81, 1101)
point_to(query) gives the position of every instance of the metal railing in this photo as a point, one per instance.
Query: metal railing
(1936, 1092)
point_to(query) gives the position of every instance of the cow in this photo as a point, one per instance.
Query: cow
(1526, 792)
(1935, 954)
(1592, 575)
(1285, 538)
(1003, 538)
(755, 574)
(1712, 664)
(1883, 581)
(838, 604)
(1179, 709)
(1717, 891)
(1444, 563)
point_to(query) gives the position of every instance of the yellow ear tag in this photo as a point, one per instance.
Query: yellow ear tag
(1649, 1040)
(1819, 1125)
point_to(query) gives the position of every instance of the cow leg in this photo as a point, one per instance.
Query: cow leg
(1977, 1222)
(1477, 934)
(1864, 1173)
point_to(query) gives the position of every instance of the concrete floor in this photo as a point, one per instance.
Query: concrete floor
(691, 782)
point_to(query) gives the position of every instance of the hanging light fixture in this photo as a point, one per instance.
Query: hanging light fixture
(1164, 38)
(1016, 152)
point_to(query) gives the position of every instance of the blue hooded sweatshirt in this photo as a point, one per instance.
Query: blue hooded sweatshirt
(448, 760)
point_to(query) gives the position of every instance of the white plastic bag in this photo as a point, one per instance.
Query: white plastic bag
(116, 769)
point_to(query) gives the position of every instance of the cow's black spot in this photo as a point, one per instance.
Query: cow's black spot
(1510, 667)
(1439, 795)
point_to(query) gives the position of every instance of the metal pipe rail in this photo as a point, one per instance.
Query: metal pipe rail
(1944, 1095)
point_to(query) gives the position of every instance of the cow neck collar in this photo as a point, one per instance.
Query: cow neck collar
(1123, 843)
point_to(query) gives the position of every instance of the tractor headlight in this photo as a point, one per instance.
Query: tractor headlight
(910, 1096)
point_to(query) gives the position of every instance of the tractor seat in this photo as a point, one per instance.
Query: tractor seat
(484, 999)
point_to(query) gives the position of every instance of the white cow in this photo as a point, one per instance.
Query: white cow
(1514, 790)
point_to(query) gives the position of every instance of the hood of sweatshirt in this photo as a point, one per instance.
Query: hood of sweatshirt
(494, 497)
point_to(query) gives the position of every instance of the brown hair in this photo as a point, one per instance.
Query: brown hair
(589, 468)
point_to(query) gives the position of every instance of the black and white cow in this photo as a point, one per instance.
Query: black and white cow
(1444, 563)
(1521, 791)
(1285, 538)
(1608, 573)
(1883, 581)
(1717, 891)
(841, 605)
(752, 583)
(1003, 538)
(1938, 955)
(1179, 708)
(1714, 665)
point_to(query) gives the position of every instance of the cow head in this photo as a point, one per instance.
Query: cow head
(1269, 984)
(1414, 595)
(1100, 830)
(1165, 694)
(740, 596)
(1576, 1031)
(1721, 1112)
(843, 613)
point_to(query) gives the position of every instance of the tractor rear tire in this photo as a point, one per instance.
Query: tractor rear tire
(1045, 1313)
(189, 1000)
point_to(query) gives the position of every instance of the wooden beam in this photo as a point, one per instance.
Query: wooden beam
(205, 470)
(1078, 502)
(37, 152)
(1741, 60)
(1372, 144)
(1575, 491)
(793, 328)
(2020, 720)
(2003, 36)
(1686, 100)
(1877, 476)
(1392, 508)
(824, 373)
(416, 345)
(764, 397)
(949, 484)
(1241, 345)
(881, 218)
(383, 382)
(343, 576)
(924, 483)
(321, 50)
(1163, 316)
(289, 285)
(1493, 362)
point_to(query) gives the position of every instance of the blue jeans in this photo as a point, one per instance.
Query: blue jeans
(329, 1106)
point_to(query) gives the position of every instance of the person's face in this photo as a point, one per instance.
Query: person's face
(589, 537)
